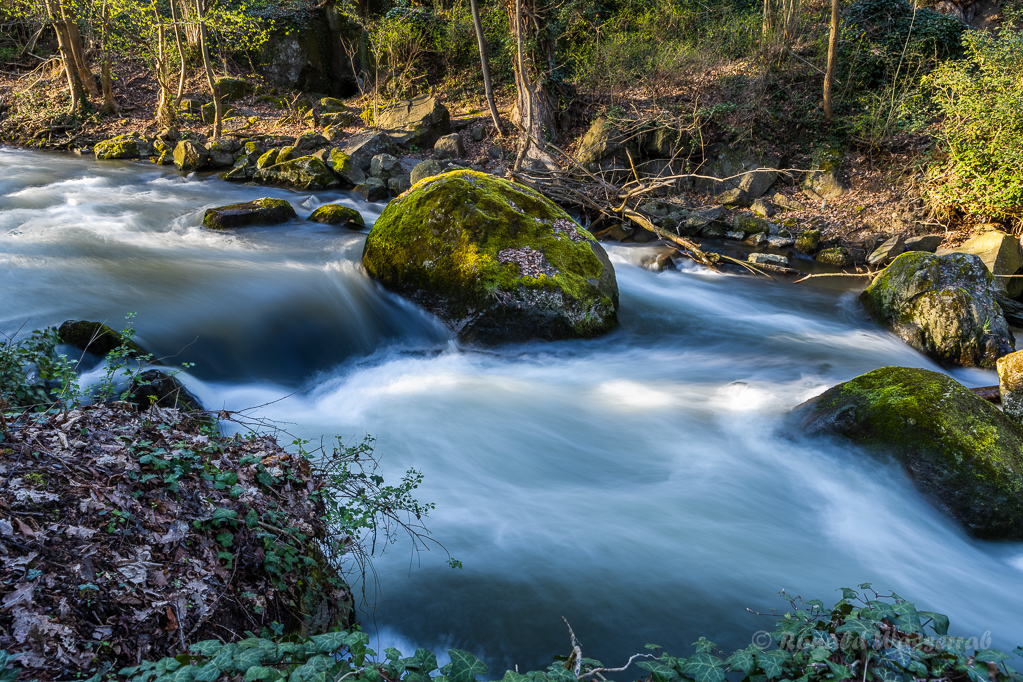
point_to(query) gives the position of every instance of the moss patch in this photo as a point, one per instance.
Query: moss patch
(958, 448)
(495, 259)
(336, 214)
(120, 147)
(264, 211)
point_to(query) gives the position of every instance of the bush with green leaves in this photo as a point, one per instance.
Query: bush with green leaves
(981, 130)
(866, 636)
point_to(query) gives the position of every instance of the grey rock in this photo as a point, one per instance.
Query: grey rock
(399, 183)
(781, 242)
(1000, 252)
(888, 251)
(737, 236)
(425, 169)
(449, 147)
(756, 239)
(383, 165)
(928, 242)
(768, 259)
(420, 120)
(364, 146)
(373, 189)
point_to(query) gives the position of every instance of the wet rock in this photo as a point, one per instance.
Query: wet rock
(266, 211)
(808, 241)
(768, 259)
(736, 236)
(944, 306)
(336, 214)
(958, 449)
(345, 168)
(837, 256)
(420, 121)
(1010, 384)
(888, 251)
(94, 337)
(781, 242)
(497, 261)
(190, 156)
(156, 388)
(449, 147)
(757, 239)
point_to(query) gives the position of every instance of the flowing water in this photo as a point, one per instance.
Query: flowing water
(645, 485)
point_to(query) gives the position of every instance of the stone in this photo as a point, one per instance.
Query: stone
(334, 134)
(887, 252)
(449, 147)
(425, 169)
(1001, 254)
(785, 202)
(1010, 384)
(169, 134)
(234, 124)
(943, 306)
(808, 241)
(268, 159)
(209, 112)
(332, 105)
(336, 214)
(478, 133)
(364, 146)
(956, 447)
(163, 153)
(495, 260)
(339, 119)
(733, 198)
(762, 208)
(928, 242)
(780, 242)
(345, 168)
(600, 142)
(305, 172)
(156, 388)
(837, 256)
(119, 147)
(747, 222)
(382, 165)
(222, 152)
(737, 169)
(373, 189)
(190, 107)
(234, 88)
(310, 141)
(399, 183)
(190, 156)
(421, 120)
(827, 181)
(768, 259)
(266, 211)
(94, 337)
(757, 239)
(495, 152)
(285, 153)
(737, 236)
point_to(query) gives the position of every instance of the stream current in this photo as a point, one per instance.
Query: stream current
(644, 485)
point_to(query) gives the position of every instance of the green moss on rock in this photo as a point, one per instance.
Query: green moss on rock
(837, 256)
(943, 306)
(958, 448)
(264, 211)
(119, 147)
(305, 172)
(494, 259)
(336, 214)
(95, 337)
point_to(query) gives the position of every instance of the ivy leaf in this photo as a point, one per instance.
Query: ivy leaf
(849, 594)
(512, 676)
(392, 654)
(858, 627)
(743, 659)
(248, 658)
(424, 660)
(327, 643)
(939, 621)
(207, 647)
(464, 667)
(773, 662)
(703, 667)
(839, 671)
(258, 672)
(659, 672)
(703, 645)
(208, 673)
(991, 656)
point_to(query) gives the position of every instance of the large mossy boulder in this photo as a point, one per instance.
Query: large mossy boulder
(958, 448)
(264, 211)
(190, 156)
(305, 172)
(944, 306)
(496, 260)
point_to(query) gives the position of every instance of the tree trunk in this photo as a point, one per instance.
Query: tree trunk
(487, 86)
(164, 112)
(67, 59)
(74, 39)
(110, 107)
(829, 75)
(181, 53)
(535, 112)
(217, 104)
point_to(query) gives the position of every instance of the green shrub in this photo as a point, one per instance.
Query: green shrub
(982, 128)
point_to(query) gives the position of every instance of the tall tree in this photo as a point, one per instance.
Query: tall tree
(536, 108)
(218, 105)
(109, 103)
(66, 57)
(487, 85)
(829, 74)
(181, 52)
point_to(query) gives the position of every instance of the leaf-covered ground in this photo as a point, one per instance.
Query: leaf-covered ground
(127, 536)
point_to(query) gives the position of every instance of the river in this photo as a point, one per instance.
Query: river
(644, 485)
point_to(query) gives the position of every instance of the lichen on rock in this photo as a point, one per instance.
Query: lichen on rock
(957, 447)
(496, 260)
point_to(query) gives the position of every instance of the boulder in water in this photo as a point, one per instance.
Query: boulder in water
(119, 147)
(264, 211)
(958, 448)
(154, 387)
(1002, 256)
(336, 214)
(190, 156)
(944, 306)
(496, 260)
(94, 337)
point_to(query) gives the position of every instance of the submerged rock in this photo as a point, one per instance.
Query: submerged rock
(496, 260)
(958, 448)
(95, 337)
(336, 214)
(264, 211)
(190, 156)
(944, 306)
